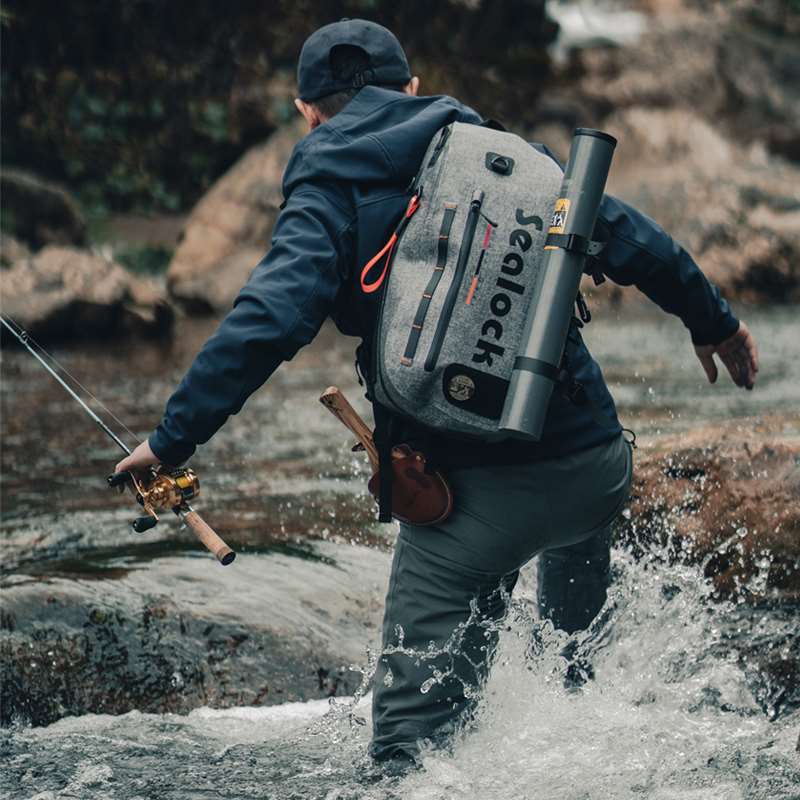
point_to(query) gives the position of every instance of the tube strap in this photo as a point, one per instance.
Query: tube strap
(574, 243)
(537, 366)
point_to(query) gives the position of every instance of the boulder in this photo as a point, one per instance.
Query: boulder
(735, 65)
(727, 497)
(736, 209)
(64, 292)
(706, 107)
(11, 249)
(64, 652)
(228, 231)
(38, 211)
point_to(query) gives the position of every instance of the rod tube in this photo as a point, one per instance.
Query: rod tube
(22, 338)
(542, 345)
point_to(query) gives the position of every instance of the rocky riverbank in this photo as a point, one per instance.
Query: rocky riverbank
(712, 154)
(98, 619)
(63, 293)
(114, 629)
(110, 633)
(726, 497)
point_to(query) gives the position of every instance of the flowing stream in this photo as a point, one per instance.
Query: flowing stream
(134, 666)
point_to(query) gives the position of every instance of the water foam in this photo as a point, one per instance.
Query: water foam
(670, 713)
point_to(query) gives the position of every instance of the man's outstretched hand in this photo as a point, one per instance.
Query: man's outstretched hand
(139, 460)
(738, 353)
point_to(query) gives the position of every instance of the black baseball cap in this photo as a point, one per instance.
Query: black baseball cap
(387, 61)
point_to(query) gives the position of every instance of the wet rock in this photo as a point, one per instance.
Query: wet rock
(706, 107)
(11, 249)
(100, 633)
(228, 231)
(66, 652)
(736, 210)
(63, 292)
(727, 498)
(733, 65)
(39, 211)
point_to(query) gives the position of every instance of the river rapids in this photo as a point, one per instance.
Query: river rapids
(678, 708)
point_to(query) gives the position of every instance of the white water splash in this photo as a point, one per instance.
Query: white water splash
(670, 715)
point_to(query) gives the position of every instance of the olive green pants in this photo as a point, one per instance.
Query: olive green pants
(449, 583)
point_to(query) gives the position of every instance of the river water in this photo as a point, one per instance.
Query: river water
(137, 667)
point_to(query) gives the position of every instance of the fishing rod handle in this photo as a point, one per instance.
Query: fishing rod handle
(208, 536)
(334, 400)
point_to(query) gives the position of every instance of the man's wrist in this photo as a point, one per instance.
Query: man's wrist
(168, 451)
(724, 330)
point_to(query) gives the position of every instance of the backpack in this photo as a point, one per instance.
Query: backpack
(458, 277)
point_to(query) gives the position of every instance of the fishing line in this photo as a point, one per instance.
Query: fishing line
(164, 488)
(27, 341)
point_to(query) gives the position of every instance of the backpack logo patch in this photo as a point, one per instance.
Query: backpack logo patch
(487, 347)
(461, 388)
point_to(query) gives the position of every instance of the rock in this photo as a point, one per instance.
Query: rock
(40, 212)
(68, 652)
(11, 249)
(169, 634)
(228, 231)
(735, 209)
(726, 497)
(706, 107)
(63, 292)
(734, 65)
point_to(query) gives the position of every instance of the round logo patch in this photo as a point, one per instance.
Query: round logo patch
(461, 388)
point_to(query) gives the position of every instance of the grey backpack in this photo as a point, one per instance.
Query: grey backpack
(465, 264)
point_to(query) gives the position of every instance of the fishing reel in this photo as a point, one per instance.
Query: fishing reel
(163, 490)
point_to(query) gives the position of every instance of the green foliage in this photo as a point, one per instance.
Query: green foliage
(141, 104)
(7, 221)
(145, 260)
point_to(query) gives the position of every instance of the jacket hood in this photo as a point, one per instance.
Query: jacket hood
(379, 137)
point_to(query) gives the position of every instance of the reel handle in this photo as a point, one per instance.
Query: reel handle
(118, 479)
(206, 534)
(142, 524)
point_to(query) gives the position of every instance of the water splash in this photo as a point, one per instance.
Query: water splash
(670, 713)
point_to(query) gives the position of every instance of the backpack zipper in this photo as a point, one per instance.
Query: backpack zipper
(458, 278)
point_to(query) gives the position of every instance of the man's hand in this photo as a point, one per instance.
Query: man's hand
(738, 353)
(139, 460)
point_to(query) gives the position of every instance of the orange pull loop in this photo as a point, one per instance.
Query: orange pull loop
(368, 288)
(386, 250)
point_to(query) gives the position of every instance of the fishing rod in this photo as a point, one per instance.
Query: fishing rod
(161, 488)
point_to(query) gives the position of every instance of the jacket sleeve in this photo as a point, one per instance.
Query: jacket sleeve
(281, 308)
(639, 252)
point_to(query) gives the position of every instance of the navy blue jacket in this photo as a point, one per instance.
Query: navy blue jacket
(345, 189)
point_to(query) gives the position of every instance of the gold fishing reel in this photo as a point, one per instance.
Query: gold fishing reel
(160, 488)
(163, 490)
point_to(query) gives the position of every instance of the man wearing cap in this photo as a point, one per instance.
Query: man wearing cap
(345, 189)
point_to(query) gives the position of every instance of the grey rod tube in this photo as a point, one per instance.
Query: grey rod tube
(542, 345)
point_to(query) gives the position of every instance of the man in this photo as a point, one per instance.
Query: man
(345, 189)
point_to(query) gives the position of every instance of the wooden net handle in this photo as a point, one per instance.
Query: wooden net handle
(333, 399)
(206, 534)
